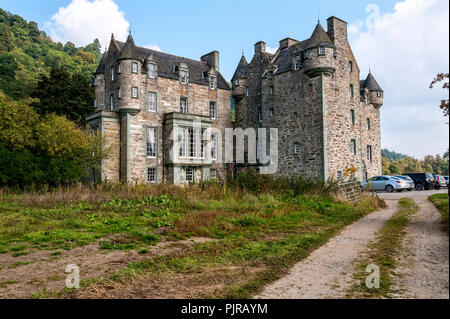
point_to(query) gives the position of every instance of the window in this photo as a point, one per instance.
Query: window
(151, 101)
(151, 141)
(310, 86)
(247, 91)
(366, 99)
(321, 51)
(151, 175)
(350, 66)
(183, 76)
(212, 82)
(201, 138)
(368, 123)
(260, 119)
(296, 148)
(95, 103)
(271, 90)
(119, 93)
(118, 68)
(192, 143)
(367, 176)
(353, 146)
(212, 110)
(152, 70)
(213, 174)
(295, 115)
(352, 94)
(111, 102)
(183, 105)
(369, 153)
(214, 146)
(189, 175)
(352, 116)
(339, 175)
(378, 93)
(182, 143)
(297, 63)
(134, 67)
(272, 112)
(134, 92)
(236, 83)
(112, 73)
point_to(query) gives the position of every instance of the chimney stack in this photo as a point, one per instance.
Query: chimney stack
(260, 47)
(212, 59)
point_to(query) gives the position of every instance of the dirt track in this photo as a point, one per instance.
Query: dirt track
(327, 272)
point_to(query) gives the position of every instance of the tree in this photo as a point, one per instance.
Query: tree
(439, 78)
(64, 94)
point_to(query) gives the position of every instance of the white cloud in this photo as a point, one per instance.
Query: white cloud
(405, 50)
(82, 21)
(271, 50)
(152, 47)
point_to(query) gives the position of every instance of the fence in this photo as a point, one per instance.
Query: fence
(350, 190)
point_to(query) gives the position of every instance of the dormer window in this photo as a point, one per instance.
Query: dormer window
(212, 82)
(321, 50)
(134, 67)
(183, 76)
(152, 70)
(297, 63)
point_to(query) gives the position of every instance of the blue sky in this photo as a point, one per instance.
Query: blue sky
(405, 45)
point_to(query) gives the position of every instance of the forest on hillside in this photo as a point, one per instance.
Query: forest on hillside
(395, 163)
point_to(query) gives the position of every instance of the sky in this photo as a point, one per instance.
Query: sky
(405, 43)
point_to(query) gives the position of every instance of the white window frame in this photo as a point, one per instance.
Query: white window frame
(152, 104)
(192, 143)
(152, 172)
(213, 110)
(182, 141)
(152, 145)
(214, 143)
(134, 89)
(321, 50)
(379, 94)
(191, 174)
(184, 76)
(152, 72)
(134, 67)
(184, 105)
(236, 82)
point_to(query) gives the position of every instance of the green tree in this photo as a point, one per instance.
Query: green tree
(64, 94)
(440, 78)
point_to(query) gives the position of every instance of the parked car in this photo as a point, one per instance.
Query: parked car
(440, 181)
(385, 183)
(422, 180)
(409, 180)
(446, 180)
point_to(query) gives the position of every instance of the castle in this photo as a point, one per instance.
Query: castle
(328, 120)
(164, 117)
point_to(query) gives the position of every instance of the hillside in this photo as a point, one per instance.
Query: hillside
(392, 155)
(27, 52)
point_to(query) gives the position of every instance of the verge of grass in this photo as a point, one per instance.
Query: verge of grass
(441, 203)
(382, 253)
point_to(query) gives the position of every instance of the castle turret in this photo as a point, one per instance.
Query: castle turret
(240, 78)
(128, 69)
(318, 53)
(374, 90)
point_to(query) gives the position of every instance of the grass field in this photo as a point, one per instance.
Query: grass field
(441, 203)
(253, 236)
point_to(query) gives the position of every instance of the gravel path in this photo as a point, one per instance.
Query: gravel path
(328, 271)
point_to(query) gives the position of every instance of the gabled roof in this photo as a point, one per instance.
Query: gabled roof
(371, 84)
(318, 37)
(166, 63)
(242, 69)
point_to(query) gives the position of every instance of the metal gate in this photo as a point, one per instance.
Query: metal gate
(351, 191)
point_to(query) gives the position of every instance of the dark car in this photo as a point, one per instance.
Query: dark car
(422, 180)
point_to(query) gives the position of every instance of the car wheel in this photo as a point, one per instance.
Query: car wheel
(409, 189)
(400, 190)
(389, 188)
(427, 187)
(419, 187)
(437, 187)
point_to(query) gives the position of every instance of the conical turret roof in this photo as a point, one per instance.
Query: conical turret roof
(242, 69)
(129, 50)
(371, 84)
(318, 37)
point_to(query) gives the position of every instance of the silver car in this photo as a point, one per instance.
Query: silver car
(385, 183)
(409, 180)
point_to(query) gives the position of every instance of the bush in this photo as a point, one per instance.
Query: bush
(20, 170)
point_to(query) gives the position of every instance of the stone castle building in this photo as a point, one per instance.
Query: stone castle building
(328, 120)
(164, 116)
(146, 100)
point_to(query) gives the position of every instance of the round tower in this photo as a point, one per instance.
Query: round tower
(318, 54)
(240, 80)
(128, 83)
(376, 94)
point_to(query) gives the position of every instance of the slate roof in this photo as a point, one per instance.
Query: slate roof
(242, 69)
(371, 84)
(166, 63)
(319, 37)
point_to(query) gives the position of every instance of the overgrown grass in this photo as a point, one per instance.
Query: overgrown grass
(441, 203)
(382, 253)
(256, 223)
